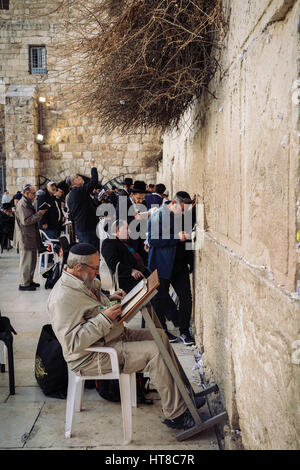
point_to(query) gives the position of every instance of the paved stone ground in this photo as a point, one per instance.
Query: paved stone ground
(30, 420)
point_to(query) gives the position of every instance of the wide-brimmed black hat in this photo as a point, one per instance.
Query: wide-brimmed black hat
(127, 182)
(140, 187)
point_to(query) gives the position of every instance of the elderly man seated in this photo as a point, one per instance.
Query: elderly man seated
(81, 316)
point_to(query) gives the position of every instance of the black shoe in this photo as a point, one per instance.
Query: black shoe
(172, 338)
(34, 284)
(187, 339)
(27, 288)
(184, 421)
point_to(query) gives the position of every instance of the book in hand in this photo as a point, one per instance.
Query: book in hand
(134, 299)
(44, 206)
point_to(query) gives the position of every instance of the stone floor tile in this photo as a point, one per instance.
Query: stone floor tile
(17, 421)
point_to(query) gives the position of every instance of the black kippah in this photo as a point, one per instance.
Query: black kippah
(83, 249)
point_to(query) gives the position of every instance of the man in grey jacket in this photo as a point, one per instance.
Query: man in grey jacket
(27, 237)
(81, 316)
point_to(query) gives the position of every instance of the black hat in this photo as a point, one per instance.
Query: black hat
(83, 249)
(139, 187)
(6, 206)
(127, 182)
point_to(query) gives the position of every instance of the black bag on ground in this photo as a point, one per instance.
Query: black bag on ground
(51, 371)
(52, 276)
(110, 390)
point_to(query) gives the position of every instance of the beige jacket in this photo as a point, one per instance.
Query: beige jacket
(77, 320)
(26, 234)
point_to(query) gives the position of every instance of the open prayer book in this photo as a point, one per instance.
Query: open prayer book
(145, 289)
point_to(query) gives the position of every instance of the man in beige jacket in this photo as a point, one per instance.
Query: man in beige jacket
(81, 316)
(27, 237)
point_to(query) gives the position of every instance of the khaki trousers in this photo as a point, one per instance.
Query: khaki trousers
(27, 266)
(137, 352)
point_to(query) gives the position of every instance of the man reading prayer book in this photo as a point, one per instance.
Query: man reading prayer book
(79, 321)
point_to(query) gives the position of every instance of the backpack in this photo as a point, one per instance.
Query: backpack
(110, 390)
(51, 371)
(52, 276)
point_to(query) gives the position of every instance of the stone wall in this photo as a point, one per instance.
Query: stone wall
(70, 140)
(21, 128)
(238, 153)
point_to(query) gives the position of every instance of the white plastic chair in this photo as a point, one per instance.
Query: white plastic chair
(66, 226)
(127, 384)
(47, 242)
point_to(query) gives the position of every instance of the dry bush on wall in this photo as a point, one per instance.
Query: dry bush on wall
(140, 63)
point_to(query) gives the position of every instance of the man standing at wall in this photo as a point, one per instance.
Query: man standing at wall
(27, 237)
(81, 207)
(168, 254)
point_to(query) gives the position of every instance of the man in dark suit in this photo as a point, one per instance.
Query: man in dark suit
(119, 250)
(131, 268)
(131, 210)
(155, 198)
(168, 254)
(81, 207)
(128, 184)
(51, 221)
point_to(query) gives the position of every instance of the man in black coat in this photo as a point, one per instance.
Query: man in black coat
(52, 220)
(7, 224)
(81, 207)
(131, 210)
(119, 250)
(156, 197)
(128, 185)
(131, 268)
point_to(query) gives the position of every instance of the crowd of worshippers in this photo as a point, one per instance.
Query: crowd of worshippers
(74, 301)
(135, 255)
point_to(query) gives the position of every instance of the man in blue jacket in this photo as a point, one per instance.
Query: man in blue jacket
(81, 207)
(168, 254)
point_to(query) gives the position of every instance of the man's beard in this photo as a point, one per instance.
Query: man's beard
(87, 281)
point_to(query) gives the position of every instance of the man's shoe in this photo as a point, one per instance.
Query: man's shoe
(27, 288)
(172, 338)
(34, 284)
(184, 421)
(187, 339)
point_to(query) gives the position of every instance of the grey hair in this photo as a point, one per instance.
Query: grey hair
(74, 259)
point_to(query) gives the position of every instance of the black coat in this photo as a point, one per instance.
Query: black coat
(7, 225)
(114, 252)
(81, 207)
(53, 216)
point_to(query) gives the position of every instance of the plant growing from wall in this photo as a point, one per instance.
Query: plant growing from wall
(141, 63)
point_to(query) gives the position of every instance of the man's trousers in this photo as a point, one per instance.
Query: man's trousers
(164, 305)
(138, 352)
(27, 266)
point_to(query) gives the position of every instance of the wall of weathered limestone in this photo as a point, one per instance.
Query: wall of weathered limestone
(70, 140)
(239, 154)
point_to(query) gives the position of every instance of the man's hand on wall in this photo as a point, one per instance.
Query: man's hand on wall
(183, 236)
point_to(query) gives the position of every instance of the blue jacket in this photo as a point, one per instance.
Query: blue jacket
(162, 249)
